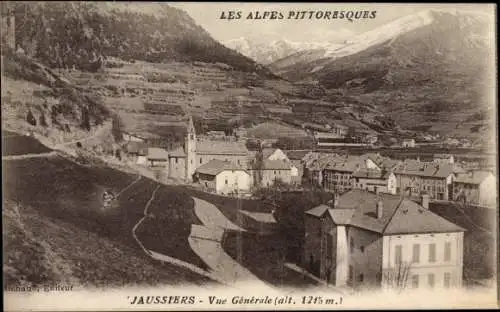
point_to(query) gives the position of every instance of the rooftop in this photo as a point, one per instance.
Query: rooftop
(296, 155)
(275, 165)
(426, 169)
(215, 166)
(157, 153)
(358, 208)
(136, 148)
(213, 147)
(178, 152)
(267, 152)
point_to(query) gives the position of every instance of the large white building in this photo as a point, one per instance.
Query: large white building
(363, 239)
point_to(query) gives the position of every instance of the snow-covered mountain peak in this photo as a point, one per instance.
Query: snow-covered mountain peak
(268, 51)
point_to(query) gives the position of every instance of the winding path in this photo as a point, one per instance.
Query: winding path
(139, 177)
(28, 156)
(206, 242)
(165, 258)
(211, 216)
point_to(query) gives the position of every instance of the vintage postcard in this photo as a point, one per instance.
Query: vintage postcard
(248, 156)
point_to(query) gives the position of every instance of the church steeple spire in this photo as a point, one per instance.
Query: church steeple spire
(190, 146)
(190, 126)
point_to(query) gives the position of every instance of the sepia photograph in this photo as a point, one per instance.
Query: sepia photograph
(248, 156)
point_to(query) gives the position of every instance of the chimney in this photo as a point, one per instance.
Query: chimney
(334, 202)
(425, 201)
(380, 209)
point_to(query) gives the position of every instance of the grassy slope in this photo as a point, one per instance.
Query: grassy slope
(41, 250)
(167, 229)
(64, 200)
(14, 144)
(264, 256)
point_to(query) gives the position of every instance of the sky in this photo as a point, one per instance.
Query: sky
(208, 15)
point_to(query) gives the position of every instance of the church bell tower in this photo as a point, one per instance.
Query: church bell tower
(190, 146)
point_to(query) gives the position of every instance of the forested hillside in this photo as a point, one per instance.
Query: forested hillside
(83, 34)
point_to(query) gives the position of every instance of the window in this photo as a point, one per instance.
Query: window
(414, 281)
(351, 244)
(191, 137)
(351, 272)
(238, 161)
(430, 279)
(447, 279)
(432, 252)
(362, 248)
(447, 251)
(201, 160)
(399, 254)
(416, 253)
(176, 160)
(361, 277)
(226, 181)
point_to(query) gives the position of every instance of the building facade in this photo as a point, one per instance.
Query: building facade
(369, 171)
(367, 240)
(273, 171)
(375, 181)
(223, 177)
(408, 143)
(475, 188)
(434, 178)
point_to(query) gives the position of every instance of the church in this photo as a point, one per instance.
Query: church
(196, 152)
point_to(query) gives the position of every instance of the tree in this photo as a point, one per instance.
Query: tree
(30, 118)
(85, 119)
(117, 128)
(397, 278)
(118, 154)
(43, 121)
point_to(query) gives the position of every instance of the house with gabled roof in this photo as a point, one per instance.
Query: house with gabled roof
(275, 170)
(368, 240)
(476, 187)
(223, 177)
(370, 171)
(416, 177)
(296, 169)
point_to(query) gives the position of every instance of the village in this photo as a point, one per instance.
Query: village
(223, 164)
(378, 221)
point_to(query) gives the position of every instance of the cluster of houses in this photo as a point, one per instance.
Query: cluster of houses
(441, 179)
(226, 167)
(217, 164)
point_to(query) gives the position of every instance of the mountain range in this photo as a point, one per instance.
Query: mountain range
(272, 51)
(424, 71)
(430, 67)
